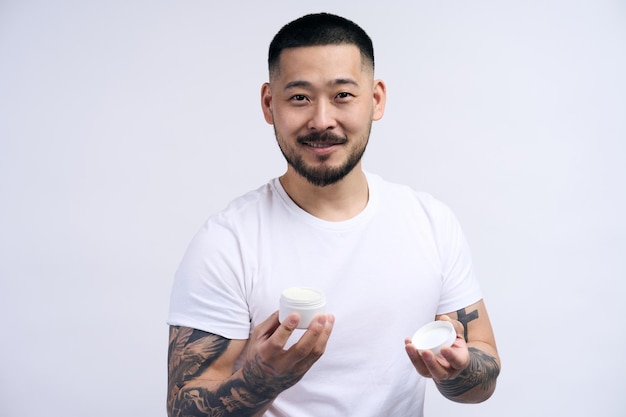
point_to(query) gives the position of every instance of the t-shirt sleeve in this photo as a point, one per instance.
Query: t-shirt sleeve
(460, 286)
(208, 292)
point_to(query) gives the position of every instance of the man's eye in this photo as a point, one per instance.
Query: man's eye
(298, 97)
(344, 95)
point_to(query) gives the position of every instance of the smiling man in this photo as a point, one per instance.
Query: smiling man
(388, 259)
(322, 101)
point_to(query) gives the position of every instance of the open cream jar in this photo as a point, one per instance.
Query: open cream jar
(307, 302)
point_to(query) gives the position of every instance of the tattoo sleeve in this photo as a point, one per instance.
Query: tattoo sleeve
(481, 372)
(190, 353)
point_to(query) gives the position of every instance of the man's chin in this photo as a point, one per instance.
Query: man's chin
(324, 177)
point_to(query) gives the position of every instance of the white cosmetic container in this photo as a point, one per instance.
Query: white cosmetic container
(433, 336)
(307, 302)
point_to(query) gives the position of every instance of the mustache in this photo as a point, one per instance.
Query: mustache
(322, 137)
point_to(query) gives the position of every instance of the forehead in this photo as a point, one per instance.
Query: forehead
(320, 61)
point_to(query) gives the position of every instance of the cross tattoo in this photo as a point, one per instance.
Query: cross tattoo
(465, 318)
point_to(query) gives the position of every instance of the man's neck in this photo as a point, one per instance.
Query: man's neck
(336, 202)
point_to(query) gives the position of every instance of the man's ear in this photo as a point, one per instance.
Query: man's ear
(266, 103)
(379, 98)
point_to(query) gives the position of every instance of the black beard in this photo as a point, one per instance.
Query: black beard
(323, 176)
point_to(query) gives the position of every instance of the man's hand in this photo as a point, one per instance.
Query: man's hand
(467, 371)
(269, 368)
(448, 364)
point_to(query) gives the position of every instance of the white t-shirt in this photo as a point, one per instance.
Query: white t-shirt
(385, 273)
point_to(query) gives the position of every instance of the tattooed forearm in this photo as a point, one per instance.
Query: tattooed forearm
(191, 353)
(232, 398)
(480, 374)
(241, 397)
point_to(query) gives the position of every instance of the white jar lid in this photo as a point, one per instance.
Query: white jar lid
(434, 335)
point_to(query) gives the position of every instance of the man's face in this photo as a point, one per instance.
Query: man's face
(322, 101)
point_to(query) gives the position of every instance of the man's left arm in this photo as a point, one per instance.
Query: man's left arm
(467, 371)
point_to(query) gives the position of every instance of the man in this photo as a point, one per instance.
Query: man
(388, 259)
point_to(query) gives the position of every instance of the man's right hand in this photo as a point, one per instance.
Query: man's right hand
(270, 368)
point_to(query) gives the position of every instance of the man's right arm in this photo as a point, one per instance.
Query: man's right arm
(201, 381)
(200, 378)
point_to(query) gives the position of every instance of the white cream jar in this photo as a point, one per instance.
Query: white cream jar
(307, 302)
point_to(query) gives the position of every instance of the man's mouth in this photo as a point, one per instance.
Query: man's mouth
(319, 144)
(324, 140)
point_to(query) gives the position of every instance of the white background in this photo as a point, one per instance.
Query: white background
(124, 124)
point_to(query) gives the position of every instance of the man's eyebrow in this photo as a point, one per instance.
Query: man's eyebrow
(296, 84)
(342, 81)
(307, 84)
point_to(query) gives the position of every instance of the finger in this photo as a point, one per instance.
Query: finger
(267, 327)
(458, 359)
(326, 330)
(416, 358)
(435, 368)
(458, 326)
(313, 332)
(322, 340)
(284, 330)
(312, 344)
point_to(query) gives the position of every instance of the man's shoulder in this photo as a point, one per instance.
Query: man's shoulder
(402, 198)
(251, 204)
(396, 190)
(252, 198)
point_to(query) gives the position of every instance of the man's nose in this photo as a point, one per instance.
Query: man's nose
(322, 117)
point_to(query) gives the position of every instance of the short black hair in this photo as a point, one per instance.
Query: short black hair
(320, 29)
